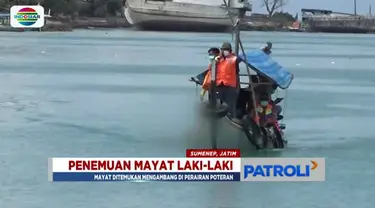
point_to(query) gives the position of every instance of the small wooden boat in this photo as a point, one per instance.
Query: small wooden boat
(262, 137)
(265, 71)
(159, 15)
(296, 27)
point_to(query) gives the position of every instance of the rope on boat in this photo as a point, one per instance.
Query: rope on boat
(196, 89)
(285, 103)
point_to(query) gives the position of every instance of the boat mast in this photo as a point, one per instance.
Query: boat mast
(242, 6)
(369, 11)
(236, 39)
(355, 7)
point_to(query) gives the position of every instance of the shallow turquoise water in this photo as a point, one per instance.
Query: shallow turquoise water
(125, 93)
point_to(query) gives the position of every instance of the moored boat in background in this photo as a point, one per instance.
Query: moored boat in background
(317, 20)
(177, 16)
(296, 27)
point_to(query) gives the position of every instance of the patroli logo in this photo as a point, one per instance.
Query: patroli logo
(27, 16)
(283, 169)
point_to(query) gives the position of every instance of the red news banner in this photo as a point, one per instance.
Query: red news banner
(198, 165)
(213, 153)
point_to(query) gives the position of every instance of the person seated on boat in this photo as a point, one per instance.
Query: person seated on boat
(267, 48)
(268, 87)
(213, 53)
(267, 112)
(264, 112)
(260, 85)
(227, 77)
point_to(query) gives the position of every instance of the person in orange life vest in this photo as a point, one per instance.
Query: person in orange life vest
(226, 78)
(265, 111)
(213, 53)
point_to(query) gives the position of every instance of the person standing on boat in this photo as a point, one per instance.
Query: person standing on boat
(267, 48)
(227, 77)
(213, 54)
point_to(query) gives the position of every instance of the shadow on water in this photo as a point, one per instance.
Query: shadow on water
(199, 136)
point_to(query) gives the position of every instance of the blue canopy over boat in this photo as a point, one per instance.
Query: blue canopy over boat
(266, 66)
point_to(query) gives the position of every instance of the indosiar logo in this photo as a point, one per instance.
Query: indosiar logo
(27, 16)
(283, 169)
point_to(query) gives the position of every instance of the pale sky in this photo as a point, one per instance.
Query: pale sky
(295, 6)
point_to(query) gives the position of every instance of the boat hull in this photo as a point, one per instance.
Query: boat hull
(257, 137)
(260, 137)
(169, 16)
(295, 29)
(185, 26)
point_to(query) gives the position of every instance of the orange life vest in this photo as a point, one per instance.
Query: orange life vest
(268, 111)
(227, 71)
(207, 79)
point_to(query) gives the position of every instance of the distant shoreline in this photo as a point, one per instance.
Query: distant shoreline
(91, 23)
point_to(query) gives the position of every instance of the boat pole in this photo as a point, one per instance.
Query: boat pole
(369, 11)
(242, 7)
(237, 39)
(213, 105)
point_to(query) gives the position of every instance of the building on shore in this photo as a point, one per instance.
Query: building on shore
(5, 24)
(316, 20)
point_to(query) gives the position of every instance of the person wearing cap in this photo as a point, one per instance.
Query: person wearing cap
(227, 77)
(267, 48)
